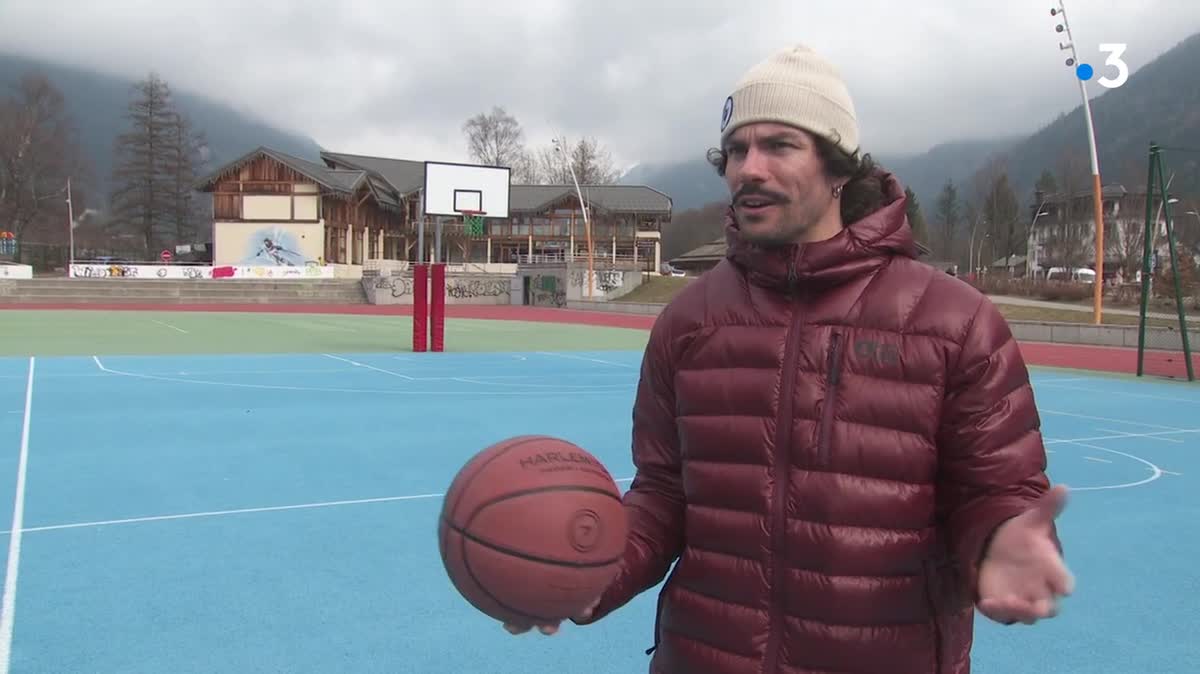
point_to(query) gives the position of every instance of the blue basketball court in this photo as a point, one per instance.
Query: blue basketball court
(278, 513)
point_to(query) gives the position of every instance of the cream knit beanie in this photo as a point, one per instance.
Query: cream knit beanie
(797, 87)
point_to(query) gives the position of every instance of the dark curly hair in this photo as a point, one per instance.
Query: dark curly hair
(863, 193)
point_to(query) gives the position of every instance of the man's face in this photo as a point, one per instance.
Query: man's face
(778, 185)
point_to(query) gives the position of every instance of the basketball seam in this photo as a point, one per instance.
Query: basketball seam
(529, 557)
(463, 490)
(538, 490)
(466, 561)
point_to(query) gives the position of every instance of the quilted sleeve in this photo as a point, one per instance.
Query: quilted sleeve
(993, 462)
(654, 502)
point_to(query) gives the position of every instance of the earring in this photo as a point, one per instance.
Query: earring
(837, 191)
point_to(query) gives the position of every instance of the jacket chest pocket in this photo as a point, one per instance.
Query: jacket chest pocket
(829, 401)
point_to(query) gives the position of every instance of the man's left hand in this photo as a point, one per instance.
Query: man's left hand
(1022, 574)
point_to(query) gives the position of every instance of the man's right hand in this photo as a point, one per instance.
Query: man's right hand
(550, 628)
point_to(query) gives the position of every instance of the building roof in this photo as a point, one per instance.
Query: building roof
(404, 175)
(391, 180)
(711, 251)
(337, 181)
(612, 198)
(1109, 191)
(407, 176)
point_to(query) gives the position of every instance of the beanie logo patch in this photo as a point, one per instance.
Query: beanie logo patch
(727, 113)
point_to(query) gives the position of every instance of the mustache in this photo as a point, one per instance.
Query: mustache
(758, 191)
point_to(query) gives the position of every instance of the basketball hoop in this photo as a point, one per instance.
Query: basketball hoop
(473, 222)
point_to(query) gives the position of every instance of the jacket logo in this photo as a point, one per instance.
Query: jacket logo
(884, 354)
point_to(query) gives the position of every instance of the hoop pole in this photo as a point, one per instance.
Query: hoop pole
(437, 307)
(1147, 245)
(420, 290)
(1183, 334)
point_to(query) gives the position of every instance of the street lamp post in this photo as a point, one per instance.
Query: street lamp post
(1097, 199)
(587, 225)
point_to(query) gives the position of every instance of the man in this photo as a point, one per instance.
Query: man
(837, 443)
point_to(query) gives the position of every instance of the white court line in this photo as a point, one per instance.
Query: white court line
(584, 358)
(556, 386)
(1155, 471)
(1108, 419)
(1092, 458)
(1118, 392)
(1123, 435)
(1148, 437)
(369, 367)
(239, 511)
(9, 606)
(168, 325)
(330, 389)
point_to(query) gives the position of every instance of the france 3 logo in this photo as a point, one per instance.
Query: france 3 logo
(1085, 71)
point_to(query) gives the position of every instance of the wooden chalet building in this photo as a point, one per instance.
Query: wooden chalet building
(363, 208)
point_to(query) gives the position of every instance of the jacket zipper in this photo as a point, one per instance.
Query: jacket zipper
(781, 458)
(929, 577)
(834, 369)
(662, 596)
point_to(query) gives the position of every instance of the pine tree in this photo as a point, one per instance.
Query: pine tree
(916, 219)
(948, 216)
(142, 196)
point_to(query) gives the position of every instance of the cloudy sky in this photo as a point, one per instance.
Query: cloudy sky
(399, 78)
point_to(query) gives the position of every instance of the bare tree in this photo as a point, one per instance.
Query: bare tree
(1124, 239)
(497, 139)
(38, 153)
(1068, 244)
(143, 185)
(591, 162)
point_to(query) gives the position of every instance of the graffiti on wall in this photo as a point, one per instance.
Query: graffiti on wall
(398, 286)
(273, 247)
(465, 289)
(606, 280)
(546, 290)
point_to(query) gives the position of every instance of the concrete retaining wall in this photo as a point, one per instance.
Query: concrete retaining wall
(1096, 335)
(616, 307)
(460, 289)
(57, 290)
(558, 286)
(1026, 331)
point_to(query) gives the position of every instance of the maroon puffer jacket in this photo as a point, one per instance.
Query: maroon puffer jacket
(825, 440)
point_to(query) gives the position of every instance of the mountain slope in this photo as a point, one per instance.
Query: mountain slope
(97, 105)
(1160, 102)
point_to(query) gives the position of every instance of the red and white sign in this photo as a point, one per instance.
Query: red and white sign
(166, 256)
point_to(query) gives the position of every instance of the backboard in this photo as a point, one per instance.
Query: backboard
(452, 189)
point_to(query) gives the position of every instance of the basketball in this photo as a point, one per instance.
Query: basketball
(532, 530)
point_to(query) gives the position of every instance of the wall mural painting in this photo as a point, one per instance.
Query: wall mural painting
(274, 247)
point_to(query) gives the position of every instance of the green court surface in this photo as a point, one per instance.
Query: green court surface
(71, 333)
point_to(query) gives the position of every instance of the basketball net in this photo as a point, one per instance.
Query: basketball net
(473, 222)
